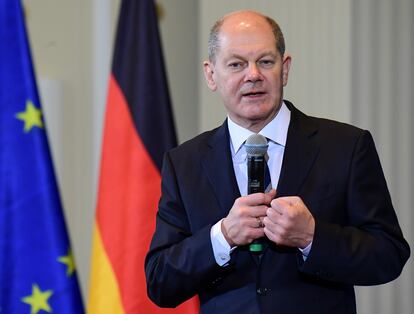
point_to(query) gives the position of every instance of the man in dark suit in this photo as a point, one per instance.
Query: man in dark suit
(328, 225)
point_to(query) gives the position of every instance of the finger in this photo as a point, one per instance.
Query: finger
(272, 193)
(277, 206)
(255, 233)
(279, 202)
(250, 234)
(284, 204)
(268, 223)
(255, 211)
(272, 236)
(261, 219)
(254, 222)
(275, 226)
(255, 199)
(274, 215)
(290, 200)
(259, 222)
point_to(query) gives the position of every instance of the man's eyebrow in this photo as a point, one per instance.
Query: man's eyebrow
(268, 54)
(264, 54)
(235, 56)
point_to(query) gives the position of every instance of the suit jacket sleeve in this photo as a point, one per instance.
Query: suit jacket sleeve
(368, 247)
(179, 262)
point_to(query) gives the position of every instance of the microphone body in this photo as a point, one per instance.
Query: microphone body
(256, 148)
(255, 173)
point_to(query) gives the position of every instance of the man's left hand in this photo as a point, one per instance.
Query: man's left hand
(289, 222)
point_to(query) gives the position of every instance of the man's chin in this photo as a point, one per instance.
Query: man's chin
(261, 115)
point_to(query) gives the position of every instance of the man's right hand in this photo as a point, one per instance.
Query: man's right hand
(244, 223)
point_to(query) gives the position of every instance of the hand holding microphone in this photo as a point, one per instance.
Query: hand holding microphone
(244, 223)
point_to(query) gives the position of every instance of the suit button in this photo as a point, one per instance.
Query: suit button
(262, 291)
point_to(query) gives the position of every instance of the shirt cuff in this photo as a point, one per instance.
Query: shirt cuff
(305, 251)
(221, 248)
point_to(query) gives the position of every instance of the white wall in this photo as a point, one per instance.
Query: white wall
(382, 101)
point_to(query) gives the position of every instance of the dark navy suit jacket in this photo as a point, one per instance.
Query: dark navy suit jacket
(334, 168)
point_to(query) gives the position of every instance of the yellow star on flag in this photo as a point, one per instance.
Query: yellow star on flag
(31, 117)
(69, 262)
(38, 300)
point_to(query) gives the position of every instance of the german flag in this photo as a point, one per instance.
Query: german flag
(138, 130)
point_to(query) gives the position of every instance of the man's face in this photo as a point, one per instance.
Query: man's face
(249, 73)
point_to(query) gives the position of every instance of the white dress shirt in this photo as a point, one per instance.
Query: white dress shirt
(276, 133)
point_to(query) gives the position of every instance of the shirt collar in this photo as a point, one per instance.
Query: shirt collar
(275, 130)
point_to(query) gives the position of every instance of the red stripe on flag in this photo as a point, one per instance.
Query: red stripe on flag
(129, 191)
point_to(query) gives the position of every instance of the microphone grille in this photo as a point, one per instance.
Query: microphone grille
(256, 144)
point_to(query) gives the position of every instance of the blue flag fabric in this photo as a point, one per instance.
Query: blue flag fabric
(37, 271)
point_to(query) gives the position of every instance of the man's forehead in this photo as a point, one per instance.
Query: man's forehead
(243, 14)
(251, 38)
(244, 20)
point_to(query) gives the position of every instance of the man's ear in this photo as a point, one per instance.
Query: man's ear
(209, 75)
(287, 59)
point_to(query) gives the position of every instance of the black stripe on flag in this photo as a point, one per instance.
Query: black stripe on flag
(138, 67)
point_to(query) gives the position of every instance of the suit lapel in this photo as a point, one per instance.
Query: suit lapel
(300, 153)
(218, 167)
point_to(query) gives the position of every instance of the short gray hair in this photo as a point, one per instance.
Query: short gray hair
(214, 44)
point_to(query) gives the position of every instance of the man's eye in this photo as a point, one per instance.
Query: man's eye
(266, 63)
(235, 65)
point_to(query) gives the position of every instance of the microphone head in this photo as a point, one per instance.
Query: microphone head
(256, 144)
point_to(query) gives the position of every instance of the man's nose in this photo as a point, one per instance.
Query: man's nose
(253, 73)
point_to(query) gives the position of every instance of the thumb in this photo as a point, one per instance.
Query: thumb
(272, 194)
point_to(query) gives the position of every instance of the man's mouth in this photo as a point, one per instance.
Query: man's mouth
(253, 94)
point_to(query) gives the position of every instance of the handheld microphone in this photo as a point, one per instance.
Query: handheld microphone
(256, 148)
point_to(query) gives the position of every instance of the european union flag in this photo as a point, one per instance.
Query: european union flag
(37, 270)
